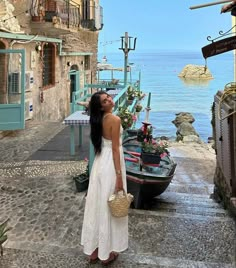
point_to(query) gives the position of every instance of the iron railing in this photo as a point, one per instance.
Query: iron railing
(68, 13)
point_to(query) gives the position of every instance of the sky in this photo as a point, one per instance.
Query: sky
(161, 24)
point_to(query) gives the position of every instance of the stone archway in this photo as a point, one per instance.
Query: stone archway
(3, 75)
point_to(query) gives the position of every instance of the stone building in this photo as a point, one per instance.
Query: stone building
(57, 41)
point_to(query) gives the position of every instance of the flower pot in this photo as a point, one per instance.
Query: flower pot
(129, 102)
(81, 182)
(138, 109)
(35, 18)
(150, 158)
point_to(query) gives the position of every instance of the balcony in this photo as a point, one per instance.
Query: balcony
(92, 20)
(55, 17)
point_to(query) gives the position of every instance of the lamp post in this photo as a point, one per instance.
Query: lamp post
(126, 46)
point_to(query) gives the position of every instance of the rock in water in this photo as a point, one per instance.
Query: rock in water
(196, 72)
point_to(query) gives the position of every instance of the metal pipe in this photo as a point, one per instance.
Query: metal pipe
(36, 38)
(210, 4)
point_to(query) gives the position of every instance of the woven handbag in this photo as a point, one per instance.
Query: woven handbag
(119, 203)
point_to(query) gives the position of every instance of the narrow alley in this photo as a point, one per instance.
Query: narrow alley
(184, 226)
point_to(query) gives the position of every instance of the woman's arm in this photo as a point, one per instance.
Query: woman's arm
(115, 135)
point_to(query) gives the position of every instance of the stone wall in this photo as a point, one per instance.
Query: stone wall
(53, 103)
(222, 192)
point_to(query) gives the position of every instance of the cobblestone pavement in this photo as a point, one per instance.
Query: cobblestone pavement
(183, 227)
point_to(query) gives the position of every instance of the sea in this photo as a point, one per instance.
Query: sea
(158, 73)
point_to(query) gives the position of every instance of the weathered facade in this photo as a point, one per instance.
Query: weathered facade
(59, 38)
(224, 126)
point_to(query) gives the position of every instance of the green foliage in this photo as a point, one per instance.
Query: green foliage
(127, 118)
(138, 107)
(131, 93)
(3, 235)
(145, 135)
(155, 146)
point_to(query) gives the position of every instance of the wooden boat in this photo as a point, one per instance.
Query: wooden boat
(145, 181)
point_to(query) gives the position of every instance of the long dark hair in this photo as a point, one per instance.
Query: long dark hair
(96, 115)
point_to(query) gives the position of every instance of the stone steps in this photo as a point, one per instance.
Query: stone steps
(17, 258)
(186, 203)
(183, 227)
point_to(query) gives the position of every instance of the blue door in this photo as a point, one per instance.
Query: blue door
(74, 88)
(12, 89)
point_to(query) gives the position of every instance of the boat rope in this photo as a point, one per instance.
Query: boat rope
(230, 89)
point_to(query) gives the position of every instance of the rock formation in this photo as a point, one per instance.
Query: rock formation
(185, 130)
(196, 72)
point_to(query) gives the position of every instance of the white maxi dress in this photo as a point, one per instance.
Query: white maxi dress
(100, 229)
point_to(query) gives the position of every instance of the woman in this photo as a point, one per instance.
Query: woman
(103, 235)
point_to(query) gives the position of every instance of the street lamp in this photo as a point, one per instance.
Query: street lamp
(127, 44)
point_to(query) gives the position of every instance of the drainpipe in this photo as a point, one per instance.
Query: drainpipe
(35, 38)
(234, 33)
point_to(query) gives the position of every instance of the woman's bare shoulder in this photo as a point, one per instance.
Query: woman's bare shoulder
(116, 118)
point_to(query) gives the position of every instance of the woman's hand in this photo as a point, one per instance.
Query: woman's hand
(119, 183)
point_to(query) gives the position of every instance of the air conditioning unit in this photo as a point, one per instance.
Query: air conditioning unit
(29, 80)
(14, 82)
(28, 109)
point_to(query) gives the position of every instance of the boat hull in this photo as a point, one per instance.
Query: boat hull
(144, 188)
(145, 182)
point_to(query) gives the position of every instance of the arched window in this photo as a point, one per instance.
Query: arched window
(49, 57)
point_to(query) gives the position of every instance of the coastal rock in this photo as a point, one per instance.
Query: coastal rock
(191, 138)
(183, 117)
(185, 131)
(195, 71)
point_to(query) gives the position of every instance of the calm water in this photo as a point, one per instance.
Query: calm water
(169, 93)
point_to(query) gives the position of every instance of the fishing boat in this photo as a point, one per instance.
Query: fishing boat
(145, 181)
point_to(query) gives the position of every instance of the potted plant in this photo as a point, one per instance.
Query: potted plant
(127, 118)
(139, 94)
(153, 150)
(138, 108)
(145, 133)
(131, 93)
(3, 236)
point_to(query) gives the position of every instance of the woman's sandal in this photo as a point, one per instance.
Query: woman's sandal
(93, 258)
(93, 261)
(113, 256)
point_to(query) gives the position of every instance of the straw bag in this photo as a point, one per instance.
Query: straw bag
(119, 203)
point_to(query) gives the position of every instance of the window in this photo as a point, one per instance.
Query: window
(85, 7)
(86, 62)
(49, 54)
